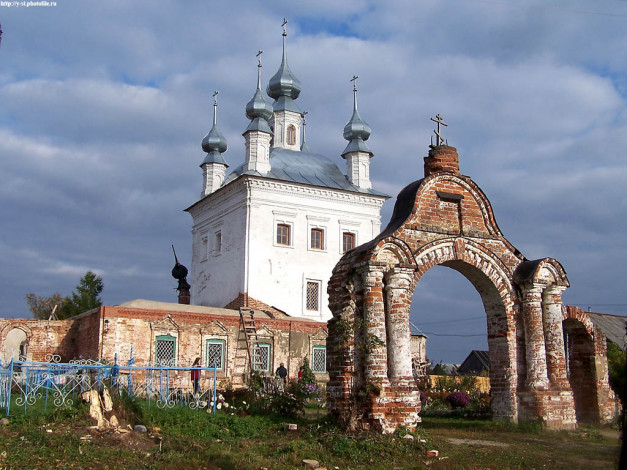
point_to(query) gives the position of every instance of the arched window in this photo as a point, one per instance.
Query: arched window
(291, 135)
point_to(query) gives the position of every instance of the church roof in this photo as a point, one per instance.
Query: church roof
(303, 167)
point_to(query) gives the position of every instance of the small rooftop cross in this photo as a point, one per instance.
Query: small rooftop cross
(438, 136)
(354, 80)
(283, 24)
(305, 113)
(259, 57)
(215, 107)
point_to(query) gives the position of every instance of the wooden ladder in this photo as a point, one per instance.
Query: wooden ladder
(247, 319)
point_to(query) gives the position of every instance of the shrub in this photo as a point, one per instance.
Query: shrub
(617, 363)
(458, 399)
(308, 376)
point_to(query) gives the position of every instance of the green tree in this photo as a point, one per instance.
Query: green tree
(42, 307)
(617, 361)
(85, 297)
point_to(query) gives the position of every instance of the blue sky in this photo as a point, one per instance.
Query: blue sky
(103, 105)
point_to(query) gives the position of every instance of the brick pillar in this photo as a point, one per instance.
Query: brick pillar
(442, 158)
(398, 304)
(554, 337)
(534, 337)
(376, 367)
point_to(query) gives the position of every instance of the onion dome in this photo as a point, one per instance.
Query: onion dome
(258, 110)
(356, 131)
(284, 83)
(214, 142)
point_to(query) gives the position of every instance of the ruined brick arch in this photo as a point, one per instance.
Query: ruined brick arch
(444, 219)
(401, 271)
(15, 340)
(586, 362)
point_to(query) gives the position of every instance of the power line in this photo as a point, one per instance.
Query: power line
(450, 321)
(598, 305)
(461, 336)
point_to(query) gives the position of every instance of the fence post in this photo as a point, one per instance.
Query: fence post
(215, 393)
(10, 386)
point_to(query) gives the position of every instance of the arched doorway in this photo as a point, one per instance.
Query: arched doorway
(16, 345)
(444, 219)
(581, 370)
(453, 324)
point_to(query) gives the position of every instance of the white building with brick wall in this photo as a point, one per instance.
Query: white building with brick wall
(268, 233)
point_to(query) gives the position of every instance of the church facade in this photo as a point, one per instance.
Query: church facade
(268, 234)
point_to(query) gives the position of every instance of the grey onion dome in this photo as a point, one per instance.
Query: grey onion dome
(284, 82)
(356, 131)
(356, 128)
(258, 107)
(214, 141)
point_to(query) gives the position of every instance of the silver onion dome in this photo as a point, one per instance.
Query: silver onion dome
(356, 131)
(284, 82)
(356, 128)
(258, 107)
(214, 142)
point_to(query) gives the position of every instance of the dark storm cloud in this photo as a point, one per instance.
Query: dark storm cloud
(103, 106)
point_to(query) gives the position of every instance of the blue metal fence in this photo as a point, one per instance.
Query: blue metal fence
(58, 384)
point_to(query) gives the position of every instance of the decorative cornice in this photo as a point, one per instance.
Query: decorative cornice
(316, 192)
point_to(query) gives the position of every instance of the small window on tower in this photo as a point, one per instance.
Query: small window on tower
(312, 302)
(348, 241)
(218, 243)
(317, 239)
(291, 135)
(283, 234)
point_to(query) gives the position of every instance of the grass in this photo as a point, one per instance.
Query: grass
(182, 438)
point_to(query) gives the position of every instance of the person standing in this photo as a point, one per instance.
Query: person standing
(196, 375)
(282, 372)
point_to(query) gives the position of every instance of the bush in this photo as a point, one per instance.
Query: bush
(308, 376)
(458, 399)
(617, 363)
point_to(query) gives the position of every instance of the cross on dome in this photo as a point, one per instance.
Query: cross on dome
(438, 136)
(215, 107)
(284, 83)
(356, 128)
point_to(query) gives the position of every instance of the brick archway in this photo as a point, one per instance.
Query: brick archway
(586, 358)
(444, 219)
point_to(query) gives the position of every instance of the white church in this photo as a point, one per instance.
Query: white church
(268, 233)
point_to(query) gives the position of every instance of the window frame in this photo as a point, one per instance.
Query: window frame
(288, 228)
(352, 236)
(204, 246)
(267, 346)
(318, 231)
(222, 343)
(318, 285)
(290, 134)
(217, 242)
(319, 347)
(165, 338)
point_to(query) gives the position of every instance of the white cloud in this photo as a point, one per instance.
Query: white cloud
(104, 105)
